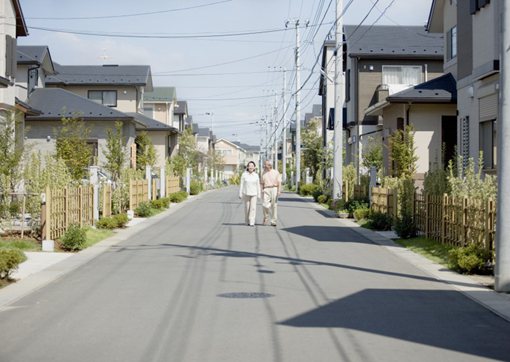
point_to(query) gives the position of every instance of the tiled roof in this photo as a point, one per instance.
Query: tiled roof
(204, 132)
(182, 107)
(386, 40)
(55, 103)
(438, 90)
(102, 75)
(160, 94)
(151, 124)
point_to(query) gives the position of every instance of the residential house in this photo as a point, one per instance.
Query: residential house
(205, 146)
(12, 26)
(160, 104)
(181, 115)
(252, 152)
(472, 37)
(234, 157)
(120, 87)
(376, 66)
(47, 106)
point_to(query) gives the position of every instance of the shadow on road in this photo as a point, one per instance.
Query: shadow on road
(443, 319)
(329, 234)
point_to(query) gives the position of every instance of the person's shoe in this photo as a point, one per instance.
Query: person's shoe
(265, 222)
(273, 224)
(252, 224)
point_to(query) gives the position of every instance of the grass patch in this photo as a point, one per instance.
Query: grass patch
(96, 235)
(431, 249)
(21, 244)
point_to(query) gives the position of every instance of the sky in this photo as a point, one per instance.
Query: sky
(224, 57)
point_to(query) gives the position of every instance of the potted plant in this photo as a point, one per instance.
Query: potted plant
(343, 214)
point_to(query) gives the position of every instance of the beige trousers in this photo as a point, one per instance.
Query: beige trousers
(269, 204)
(250, 209)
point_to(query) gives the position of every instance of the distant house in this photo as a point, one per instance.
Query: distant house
(181, 115)
(234, 157)
(380, 61)
(252, 152)
(471, 32)
(327, 91)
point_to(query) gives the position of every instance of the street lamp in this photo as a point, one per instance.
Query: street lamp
(212, 117)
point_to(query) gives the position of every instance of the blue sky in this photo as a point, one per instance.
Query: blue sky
(238, 93)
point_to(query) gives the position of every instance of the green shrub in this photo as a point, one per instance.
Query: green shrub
(166, 202)
(144, 209)
(121, 220)
(405, 227)
(354, 204)
(308, 189)
(178, 196)
(74, 238)
(9, 261)
(159, 204)
(323, 199)
(106, 223)
(474, 258)
(380, 221)
(361, 213)
(195, 187)
(336, 205)
(317, 193)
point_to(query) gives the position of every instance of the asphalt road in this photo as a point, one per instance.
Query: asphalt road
(201, 286)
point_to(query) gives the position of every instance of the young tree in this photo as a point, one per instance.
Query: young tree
(313, 150)
(115, 151)
(373, 154)
(145, 152)
(187, 155)
(403, 153)
(72, 146)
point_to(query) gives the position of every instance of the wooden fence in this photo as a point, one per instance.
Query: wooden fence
(138, 193)
(106, 200)
(172, 184)
(456, 221)
(64, 207)
(384, 200)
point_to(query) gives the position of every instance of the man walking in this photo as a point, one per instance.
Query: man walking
(271, 184)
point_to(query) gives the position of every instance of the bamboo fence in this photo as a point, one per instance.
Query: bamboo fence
(106, 200)
(172, 184)
(138, 193)
(384, 200)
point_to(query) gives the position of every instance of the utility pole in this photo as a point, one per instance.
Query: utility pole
(298, 102)
(502, 270)
(339, 105)
(275, 130)
(284, 128)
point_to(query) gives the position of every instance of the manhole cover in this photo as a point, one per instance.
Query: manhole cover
(244, 295)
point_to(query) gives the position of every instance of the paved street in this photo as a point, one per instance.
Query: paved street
(201, 286)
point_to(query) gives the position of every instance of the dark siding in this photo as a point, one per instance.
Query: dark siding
(464, 40)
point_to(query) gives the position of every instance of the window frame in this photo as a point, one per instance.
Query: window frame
(103, 92)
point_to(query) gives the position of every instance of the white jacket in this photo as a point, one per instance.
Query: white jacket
(250, 184)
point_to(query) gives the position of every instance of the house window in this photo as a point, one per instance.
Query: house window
(33, 78)
(400, 77)
(148, 111)
(488, 143)
(94, 151)
(451, 43)
(105, 97)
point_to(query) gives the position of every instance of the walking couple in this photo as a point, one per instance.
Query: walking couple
(251, 185)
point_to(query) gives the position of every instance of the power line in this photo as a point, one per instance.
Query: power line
(129, 15)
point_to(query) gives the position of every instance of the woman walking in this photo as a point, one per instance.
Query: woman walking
(249, 192)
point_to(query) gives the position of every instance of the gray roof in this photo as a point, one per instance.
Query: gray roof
(160, 94)
(35, 54)
(194, 128)
(55, 103)
(393, 41)
(151, 124)
(139, 75)
(247, 147)
(438, 90)
(182, 107)
(204, 132)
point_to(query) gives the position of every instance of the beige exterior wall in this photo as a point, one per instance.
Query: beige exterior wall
(126, 96)
(38, 132)
(160, 141)
(8, 16)
(233, 158)
(427, 121)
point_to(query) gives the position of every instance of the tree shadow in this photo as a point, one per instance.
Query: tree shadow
(439, 318)
(329, 234)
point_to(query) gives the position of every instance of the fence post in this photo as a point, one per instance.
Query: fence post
(47, 242)
(80, 205)
(373, 182)
(148, 177)
(444, 218)
(188, 180)
(162, 182)
(427, 213)
(465, 220)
